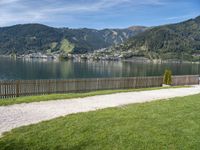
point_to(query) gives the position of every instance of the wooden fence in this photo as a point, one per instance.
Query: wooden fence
(185, 80)
(9, 89)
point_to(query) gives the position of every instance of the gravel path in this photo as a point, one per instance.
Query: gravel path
(24, 114)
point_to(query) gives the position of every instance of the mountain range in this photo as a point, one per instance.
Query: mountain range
(31, 38)
(173, 41)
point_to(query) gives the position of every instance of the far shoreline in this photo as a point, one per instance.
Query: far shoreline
(134, 60)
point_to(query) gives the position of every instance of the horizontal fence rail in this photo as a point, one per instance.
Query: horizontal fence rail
(9, 89)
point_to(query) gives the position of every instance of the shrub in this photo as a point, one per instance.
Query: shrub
(167, 77)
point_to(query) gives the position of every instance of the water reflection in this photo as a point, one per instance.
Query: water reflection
(37, 69)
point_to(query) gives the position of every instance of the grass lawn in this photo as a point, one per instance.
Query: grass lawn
(173, 124)
(29, 99)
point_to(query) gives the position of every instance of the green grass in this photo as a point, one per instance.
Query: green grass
(66, 46)
(173, 124)
(29, 99)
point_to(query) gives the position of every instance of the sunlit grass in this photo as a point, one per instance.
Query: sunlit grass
(172, 124)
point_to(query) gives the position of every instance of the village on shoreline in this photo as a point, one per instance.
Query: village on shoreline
(92, 57)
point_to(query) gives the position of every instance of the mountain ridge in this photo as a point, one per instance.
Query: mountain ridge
(172, 41)
(28, 38)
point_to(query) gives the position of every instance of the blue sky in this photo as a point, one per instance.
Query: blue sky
(97, 13)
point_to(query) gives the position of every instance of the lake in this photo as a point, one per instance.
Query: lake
(37, 69)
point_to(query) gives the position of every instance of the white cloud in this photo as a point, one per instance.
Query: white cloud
(24, 11)
(182, 17)
(101, 4)
(3, 2)
(95, 6)
(153, 2)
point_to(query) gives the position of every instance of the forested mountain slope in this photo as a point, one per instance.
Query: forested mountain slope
(29, 38)
(174, 41)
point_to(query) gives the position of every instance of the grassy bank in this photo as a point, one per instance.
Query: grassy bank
(170, 124)
(29, 99)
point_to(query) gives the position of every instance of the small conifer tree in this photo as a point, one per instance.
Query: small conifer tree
(167, 79)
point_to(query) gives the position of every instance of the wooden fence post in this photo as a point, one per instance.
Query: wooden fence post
(17, 88)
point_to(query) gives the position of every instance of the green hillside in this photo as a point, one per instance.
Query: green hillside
(29, 38)
(175, 41)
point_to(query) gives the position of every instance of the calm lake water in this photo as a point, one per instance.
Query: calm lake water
(37, 69)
